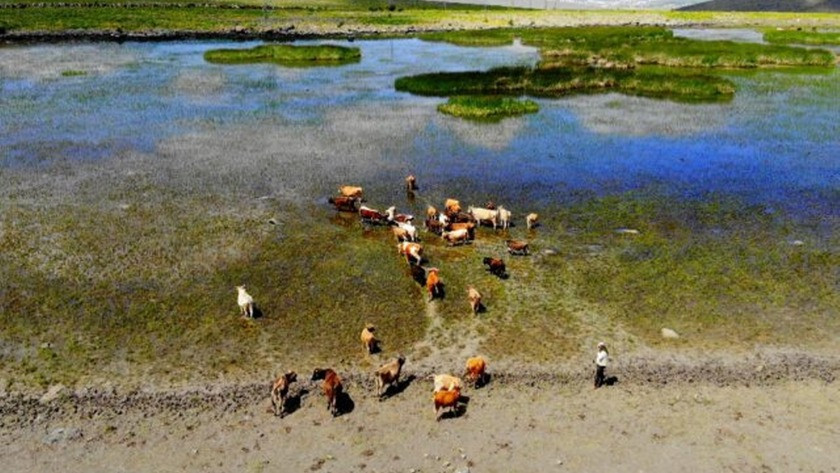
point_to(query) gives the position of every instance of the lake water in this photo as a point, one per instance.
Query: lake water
(776, 144)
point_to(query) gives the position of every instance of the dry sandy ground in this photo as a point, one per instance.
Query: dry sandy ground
(702, 420)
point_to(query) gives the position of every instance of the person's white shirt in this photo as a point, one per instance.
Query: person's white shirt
(601, 359)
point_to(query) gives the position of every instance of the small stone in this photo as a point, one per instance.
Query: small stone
(463, 456)
(797, 243)
(559, 462)
(53, 393)
(273, 221)
(670, 334)
(447, 464)
(62, 434)
(627, 231)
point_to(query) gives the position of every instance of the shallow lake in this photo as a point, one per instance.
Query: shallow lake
(776, 144)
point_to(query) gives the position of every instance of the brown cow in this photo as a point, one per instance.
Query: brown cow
(350, 191)
(410, 183)
(388, 375)
(413, 252)
(452, 206)
(517, 247)
(456, 237)
(345, 204)
(468, 226)
(475, 299)
(475, 372)
(370, 215)
(369, 341)
(332, 387)
(496, 266)
(280, 392)
(446, 399)
(432, 282)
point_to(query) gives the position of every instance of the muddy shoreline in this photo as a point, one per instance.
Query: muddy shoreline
(26, 409)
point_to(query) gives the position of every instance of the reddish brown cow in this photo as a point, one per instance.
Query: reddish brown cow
(495, 265)
(446, 399)
(344, 203)
(432, 282)
(476, 367)
(372, 215)
(332, 387)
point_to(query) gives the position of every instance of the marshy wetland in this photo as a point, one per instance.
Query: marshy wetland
(138, 180)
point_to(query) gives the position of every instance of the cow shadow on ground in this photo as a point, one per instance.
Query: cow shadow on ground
(611, 381)
(293, 402)
(484, 380)
(398, 388)
(458, 410)
(344, 404)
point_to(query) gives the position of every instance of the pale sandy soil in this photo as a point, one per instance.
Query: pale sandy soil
(657, 418)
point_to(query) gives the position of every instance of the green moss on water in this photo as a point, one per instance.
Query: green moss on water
(73, 73)
(284, 54)
(487, 108)
(802, 37)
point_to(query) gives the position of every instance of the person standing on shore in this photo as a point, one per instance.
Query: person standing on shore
(601, 364)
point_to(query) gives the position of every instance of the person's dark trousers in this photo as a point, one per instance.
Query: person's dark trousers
(599, 376)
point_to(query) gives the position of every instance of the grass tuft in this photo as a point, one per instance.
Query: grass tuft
(802, 37)
(487, 108)
(286, 55)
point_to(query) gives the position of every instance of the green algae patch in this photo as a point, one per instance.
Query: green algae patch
(287, 55)
(803, 37)
(487, 108)
(563, 81)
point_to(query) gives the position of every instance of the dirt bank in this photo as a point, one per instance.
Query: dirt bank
(783, 417)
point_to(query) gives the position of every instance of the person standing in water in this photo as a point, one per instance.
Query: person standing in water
(601, 364)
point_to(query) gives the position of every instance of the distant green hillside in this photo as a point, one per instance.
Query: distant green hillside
(767, 5)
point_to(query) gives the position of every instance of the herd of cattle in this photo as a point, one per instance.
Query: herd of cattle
(455, 227)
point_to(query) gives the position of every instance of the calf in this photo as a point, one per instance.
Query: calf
(532, 220)
(350, 191)
(432, 282)
(369, 341)
(446, 399)
(245, 301)
(332, 387)
(475, 299)
(517, 247)
(280, 392)
(495, 265)
(413, 252)
(431, 212)
(388, 375)
(345, 204)
(475, 372)
(456, 237)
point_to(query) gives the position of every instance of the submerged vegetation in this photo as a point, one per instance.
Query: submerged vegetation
(487, 107)
(802, 37)
(286, 55)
